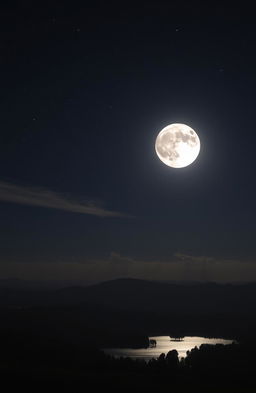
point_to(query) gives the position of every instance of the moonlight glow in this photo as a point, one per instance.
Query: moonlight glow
(177, 145)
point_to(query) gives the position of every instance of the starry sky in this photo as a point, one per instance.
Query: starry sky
(85, 89)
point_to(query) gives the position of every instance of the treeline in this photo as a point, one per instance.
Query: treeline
(53, 366)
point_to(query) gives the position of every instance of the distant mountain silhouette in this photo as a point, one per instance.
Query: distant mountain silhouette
(126, 312)
(16, 283)
(140, 295)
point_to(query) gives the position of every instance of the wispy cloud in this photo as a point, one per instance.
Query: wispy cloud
(116, 265)
(192, 258)
(42, 197)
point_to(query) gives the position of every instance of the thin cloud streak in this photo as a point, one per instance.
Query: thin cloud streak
(42, 197)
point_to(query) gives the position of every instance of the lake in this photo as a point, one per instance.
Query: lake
(164, 344)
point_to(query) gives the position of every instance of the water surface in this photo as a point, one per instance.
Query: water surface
(164, 344)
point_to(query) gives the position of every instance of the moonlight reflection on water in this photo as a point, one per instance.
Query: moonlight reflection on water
(164, 344)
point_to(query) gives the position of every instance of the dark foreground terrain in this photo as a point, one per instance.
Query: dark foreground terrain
(51, 340)
(56, 367)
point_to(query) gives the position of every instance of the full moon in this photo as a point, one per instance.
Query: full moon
(177, 145)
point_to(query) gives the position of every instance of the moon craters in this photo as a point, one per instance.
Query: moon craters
(177, 145)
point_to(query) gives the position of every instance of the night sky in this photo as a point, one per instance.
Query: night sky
(85, 89)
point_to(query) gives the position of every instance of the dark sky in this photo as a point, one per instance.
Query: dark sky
(85, 89)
